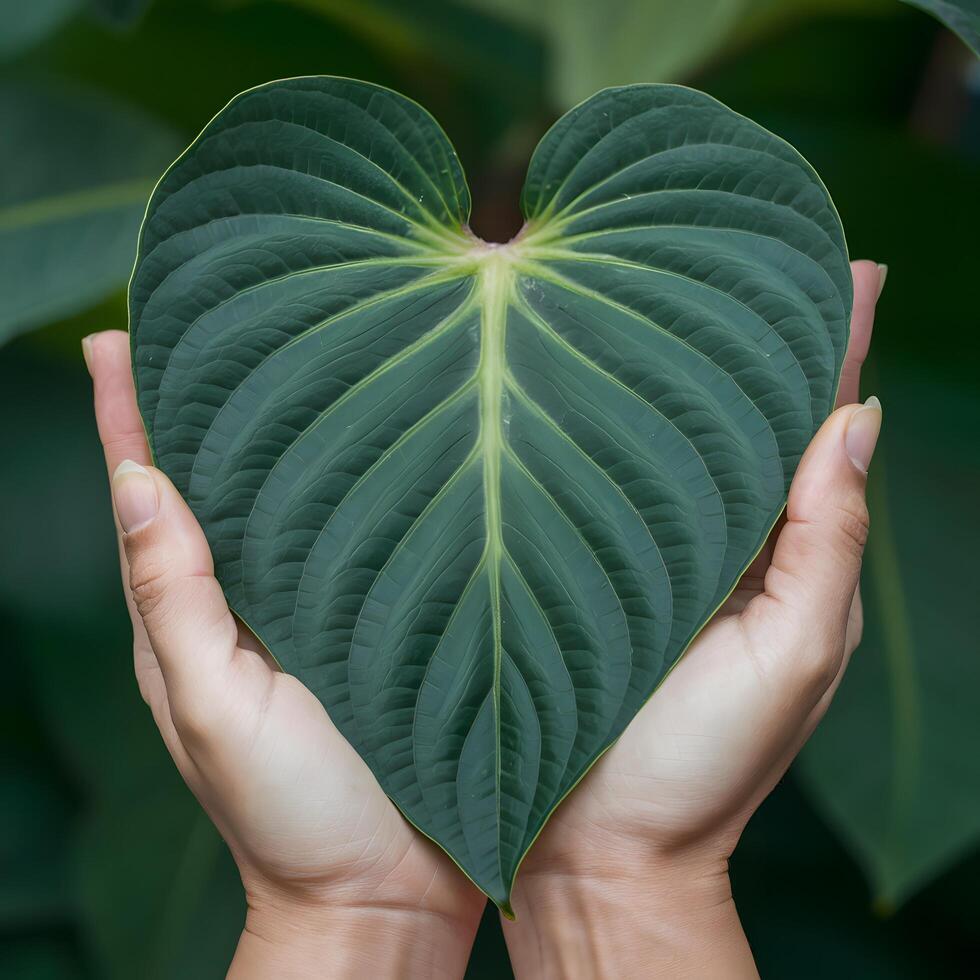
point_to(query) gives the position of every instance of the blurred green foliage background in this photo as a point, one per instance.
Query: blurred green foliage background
(864, 861)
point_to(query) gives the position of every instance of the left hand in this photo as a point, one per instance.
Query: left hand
(338, 883)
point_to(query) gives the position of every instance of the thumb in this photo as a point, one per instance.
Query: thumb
(816, 563)
(171, 574)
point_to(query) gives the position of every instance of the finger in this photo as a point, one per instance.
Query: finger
(854, 629)
(190, 628)
(869, 278)
(118, 418)
(815, 715)
(121, 432)
(816, 563)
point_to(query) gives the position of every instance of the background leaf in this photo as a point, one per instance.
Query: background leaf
(644, 41)
(25, 24)
(910, 697)
(640, 42)
(78, 170)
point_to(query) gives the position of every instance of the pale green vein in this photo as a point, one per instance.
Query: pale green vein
(667, 150)
(416, 163)
(496, 285)
(628, 229)
(568, 218)
(827, 341)
(425, 420)
(423, 515)
(519, 575)
(435, 233)
(388, 294)
(547, 330)
(447, 324)
(416, 286)
(515, 388)
(577, 532)
(556, 278)
(428, 217)
(478, 570)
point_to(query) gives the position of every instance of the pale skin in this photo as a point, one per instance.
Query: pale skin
(629, 878)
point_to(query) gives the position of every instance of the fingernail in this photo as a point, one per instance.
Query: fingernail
(882, 276)
(135, 495)
(87, 351)
(862, 433)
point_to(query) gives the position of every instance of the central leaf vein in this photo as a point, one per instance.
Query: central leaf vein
(496, 281)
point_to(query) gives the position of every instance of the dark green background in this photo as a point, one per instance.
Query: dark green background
(863, 863)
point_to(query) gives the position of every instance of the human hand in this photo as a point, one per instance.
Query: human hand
(630, 877)
(337, 881)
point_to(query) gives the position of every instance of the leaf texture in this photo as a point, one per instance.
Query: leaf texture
(481, 498)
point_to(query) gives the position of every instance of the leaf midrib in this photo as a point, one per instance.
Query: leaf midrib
(496, 283)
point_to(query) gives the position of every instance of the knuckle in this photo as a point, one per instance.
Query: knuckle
(807, 655)
(148, 582)
(854, 523)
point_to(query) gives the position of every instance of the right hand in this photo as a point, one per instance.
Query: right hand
(630, 876)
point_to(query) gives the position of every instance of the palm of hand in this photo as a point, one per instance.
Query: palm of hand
(703, 752)
(299, 806)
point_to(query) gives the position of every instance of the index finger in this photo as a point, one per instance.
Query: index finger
(118, 418)
(122, 436)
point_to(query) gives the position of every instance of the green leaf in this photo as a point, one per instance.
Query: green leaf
(963, 18)
(78, 170)
(480, 498)
(892, 766)
(26, 23)
(642, 40)
(646, 40)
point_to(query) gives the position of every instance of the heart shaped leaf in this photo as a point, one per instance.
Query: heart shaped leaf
(481, 498)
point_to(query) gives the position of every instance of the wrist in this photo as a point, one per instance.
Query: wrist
(300, 941)
(675, 920)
